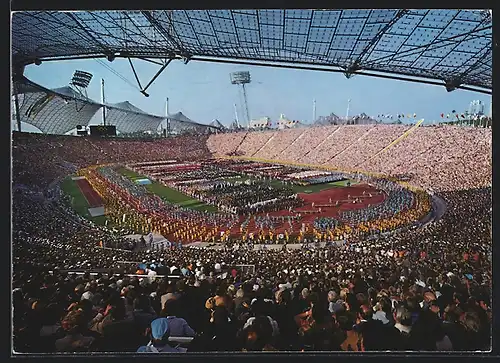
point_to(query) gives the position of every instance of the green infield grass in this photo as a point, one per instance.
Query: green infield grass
(78, 201)
(169, 194)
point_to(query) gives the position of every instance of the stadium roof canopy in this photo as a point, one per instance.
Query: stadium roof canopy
(61, 110)
(129, 119)
(451, 47)
(55, 111)
(179, 123)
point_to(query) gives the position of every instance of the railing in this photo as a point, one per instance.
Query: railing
(106, 272)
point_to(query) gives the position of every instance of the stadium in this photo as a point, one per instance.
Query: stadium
(159, 234)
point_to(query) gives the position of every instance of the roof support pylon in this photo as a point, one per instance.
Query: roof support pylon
(143, 90)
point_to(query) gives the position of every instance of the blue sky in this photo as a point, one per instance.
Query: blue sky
(203, 92)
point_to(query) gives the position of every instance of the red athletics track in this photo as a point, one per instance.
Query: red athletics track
(335, 194)
(93, 199)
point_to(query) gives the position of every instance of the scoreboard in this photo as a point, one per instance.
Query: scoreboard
(103, 130)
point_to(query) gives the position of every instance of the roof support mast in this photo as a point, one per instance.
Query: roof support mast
(167, 113)
(143, 89)
(103, 101)
(18, 116)
(236, 116)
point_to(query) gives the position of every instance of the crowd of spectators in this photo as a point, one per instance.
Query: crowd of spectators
(60, 155)
(437, 157)
(341, 139)
(424, 289)
(373, 140)
(428, 289)
(276, 145)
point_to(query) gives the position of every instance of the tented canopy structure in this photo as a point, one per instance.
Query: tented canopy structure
(451, 47)
(54, 111)
(180, 123)
(217, 124)
(61, 110)
(129, 119)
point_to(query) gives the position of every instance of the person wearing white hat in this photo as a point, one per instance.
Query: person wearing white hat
(87, 295)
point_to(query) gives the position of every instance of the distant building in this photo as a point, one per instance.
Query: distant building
(476, 108)
(261, 123)
(284, 123)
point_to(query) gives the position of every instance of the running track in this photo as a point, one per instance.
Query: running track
(93, 199)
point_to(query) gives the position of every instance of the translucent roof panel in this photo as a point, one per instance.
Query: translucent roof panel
(127, 121)
(435, 44)
(60, 110)
(53, 112)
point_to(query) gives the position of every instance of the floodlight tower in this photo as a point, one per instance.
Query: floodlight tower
(242, 78)
(103, 100)
(314, 111)
(79, 83)
(236, 116)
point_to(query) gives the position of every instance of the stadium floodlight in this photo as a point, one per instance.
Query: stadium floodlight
(242, 78)
(81, 79)
(79, 83)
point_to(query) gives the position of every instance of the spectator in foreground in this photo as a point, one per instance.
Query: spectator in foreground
(159, 343)
(178, 327)
(258, 336)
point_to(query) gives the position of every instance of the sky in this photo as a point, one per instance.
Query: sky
(203, 91)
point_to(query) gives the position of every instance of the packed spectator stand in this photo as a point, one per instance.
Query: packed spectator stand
(424, 289)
